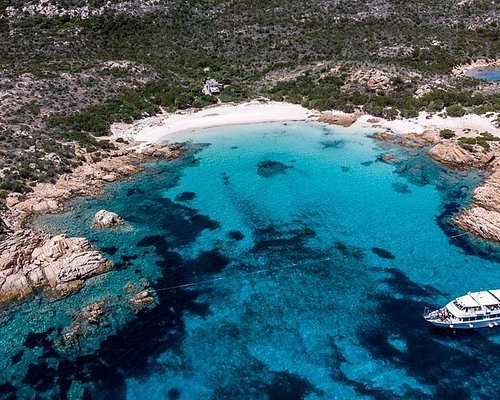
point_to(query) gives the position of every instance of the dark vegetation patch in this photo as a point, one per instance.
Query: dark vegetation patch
(236, 235)
(134, 191)
(174, 394)
(7, 391)
(349, 251)
(39, 339)
(111, 250)
(185, 196)
(290, 386)
(126, 258)
(402, 188)
(18, 356)
(269, 169)
(332, 144)
(382, 253)
(282, 240)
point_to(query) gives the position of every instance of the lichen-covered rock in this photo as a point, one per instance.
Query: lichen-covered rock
(106, 219)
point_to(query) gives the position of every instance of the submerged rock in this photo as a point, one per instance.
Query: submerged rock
(107, 219)
(401, 188)
(268, 169)
(141, 300)
(84, 323)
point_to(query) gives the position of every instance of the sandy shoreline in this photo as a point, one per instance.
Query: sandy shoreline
(157, 128)
(154, 129)
(482, 218)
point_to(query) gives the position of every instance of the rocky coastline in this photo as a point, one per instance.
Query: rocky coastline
(477, 65)
(482, 217)
(31, 260)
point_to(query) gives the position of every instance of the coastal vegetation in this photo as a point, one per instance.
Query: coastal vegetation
(482, 140)
(69, 69)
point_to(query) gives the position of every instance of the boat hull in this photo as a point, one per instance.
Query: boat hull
(487, 323)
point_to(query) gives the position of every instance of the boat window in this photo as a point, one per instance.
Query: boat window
(458, 305)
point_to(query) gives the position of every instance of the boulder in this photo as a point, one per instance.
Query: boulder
(75, 267)
(57, 247)
(480, 222)
(452, 153)
(31, 259)
(106, 219)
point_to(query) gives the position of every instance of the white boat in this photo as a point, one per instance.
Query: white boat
(474, 310)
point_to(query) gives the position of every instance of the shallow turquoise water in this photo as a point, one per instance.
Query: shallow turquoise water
(289, 262)
(492, 74)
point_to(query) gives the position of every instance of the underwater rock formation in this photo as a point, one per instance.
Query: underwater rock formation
(268, 169)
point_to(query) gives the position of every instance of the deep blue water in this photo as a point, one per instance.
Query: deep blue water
(289, 262)
(491, 74)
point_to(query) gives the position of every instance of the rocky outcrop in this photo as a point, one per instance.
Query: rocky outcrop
(340, 119)
(374, 79)
(29, 260)
(141, 301)
(483, 217)
(451, 153)
(480, 222)
(107, 219)
(404, 140)
(87, 180)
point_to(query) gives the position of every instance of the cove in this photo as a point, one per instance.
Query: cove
(290, 261)
(487, 74)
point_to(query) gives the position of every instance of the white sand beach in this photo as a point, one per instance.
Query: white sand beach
(155, 129)
(472, 122)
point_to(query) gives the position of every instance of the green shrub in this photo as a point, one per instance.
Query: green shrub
(455, 110)
(446, 133)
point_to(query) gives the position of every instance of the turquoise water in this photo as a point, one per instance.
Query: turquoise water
(492, 74)
(288, 262)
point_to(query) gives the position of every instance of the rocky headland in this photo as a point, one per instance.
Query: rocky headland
(32, 260)
(465, 148)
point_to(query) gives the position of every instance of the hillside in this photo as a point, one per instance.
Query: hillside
(70, 68)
